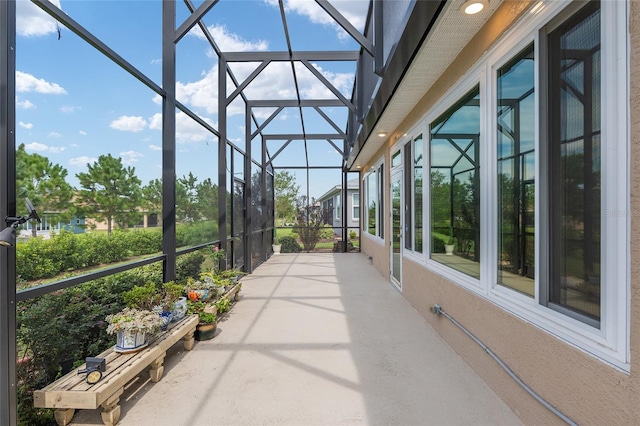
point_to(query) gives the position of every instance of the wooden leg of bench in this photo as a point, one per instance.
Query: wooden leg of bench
(157, 369)
(188, 340)
(63, 416)
(111, 409)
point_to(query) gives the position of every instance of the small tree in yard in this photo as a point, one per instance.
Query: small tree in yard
(311, 220)
(285, 195)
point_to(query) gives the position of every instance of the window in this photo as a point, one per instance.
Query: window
(574, 164)
(355, 205)
(413, 200)
(554, 229)
(516, 172)
(417, 193)
(338, 210)
(455, 186)
(374, 201)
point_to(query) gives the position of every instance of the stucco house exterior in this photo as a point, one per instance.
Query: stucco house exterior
(514, 136)
(332, 203)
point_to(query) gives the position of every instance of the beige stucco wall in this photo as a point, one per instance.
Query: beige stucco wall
(583, 387)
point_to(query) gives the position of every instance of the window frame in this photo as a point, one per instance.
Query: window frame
(610, 342)
(354, 217)
(378, 170)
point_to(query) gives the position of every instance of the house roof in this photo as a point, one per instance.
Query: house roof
(351, 184)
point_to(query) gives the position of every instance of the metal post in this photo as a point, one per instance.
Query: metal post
(222, 155)
(8, 395)
(248, 181)
(169, 139)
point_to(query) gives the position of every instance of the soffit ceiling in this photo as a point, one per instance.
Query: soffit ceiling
(450, 35)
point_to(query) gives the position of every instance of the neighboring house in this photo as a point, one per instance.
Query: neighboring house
(332, 204)
(515, 133)
(50, 224)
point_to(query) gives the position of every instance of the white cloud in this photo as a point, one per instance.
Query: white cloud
(28, 83)
(129, 123)
(40, 147)
(32, 21)
(353, 11)
(35, 146)
(68, 109)
(54, 135)
(155, 148)
(26, 104)
(74, 145)
(82, 161)
(25, 125)
(187, 130)
(229, 42)
(130, 157)
(155, 61)
(83, 133)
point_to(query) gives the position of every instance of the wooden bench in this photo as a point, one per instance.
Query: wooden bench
(71, 392)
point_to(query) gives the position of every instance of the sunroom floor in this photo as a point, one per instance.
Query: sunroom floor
(316, 339)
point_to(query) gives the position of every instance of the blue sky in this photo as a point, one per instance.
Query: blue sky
(73, 104)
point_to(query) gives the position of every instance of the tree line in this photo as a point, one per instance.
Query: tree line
(109, 191)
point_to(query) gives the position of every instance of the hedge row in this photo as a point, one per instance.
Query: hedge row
(37, 258)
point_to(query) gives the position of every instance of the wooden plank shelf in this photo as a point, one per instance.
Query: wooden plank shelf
(71, 392)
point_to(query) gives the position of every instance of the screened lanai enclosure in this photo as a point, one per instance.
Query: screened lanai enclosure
(147, 133)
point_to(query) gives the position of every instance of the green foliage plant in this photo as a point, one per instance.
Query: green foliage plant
(171, 292)
(145, 297)
(352, 234)
(134, 320)
(289, 245)
(200, 308)
(223, 305)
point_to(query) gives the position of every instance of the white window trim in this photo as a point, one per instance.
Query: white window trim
(610, 343)
(354, 205)
(364, 229)
(337, 207)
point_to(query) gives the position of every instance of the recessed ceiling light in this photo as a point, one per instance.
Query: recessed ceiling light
(358, 166)
(471, 7)
(382, 134)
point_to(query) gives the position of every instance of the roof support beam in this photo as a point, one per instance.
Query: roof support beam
(330, 86)
(193, 19)
(330, 121)
(273, 157)
(266, 122)
(292, 103)
(248, 80)
(337, 55)
(341, 152)
(346, 25)
(302, 136)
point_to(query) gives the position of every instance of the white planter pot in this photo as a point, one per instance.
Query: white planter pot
(448, 249)
(276, 248)
(179, 309)
(127, 341)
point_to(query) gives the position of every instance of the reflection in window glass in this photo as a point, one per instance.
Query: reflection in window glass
(417, 192)
(516, 173)
(372, 201)
(455, 186)
(575, 172)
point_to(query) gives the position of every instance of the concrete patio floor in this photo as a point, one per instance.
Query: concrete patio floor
(316, 339)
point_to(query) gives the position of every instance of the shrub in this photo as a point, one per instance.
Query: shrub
(437, 245)
(188, 265)
(289, 245)
(352, 234)
(327, 232)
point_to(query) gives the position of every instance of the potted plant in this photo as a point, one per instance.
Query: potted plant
(145, 297)
(200, 290)
(132, 327)
(276, 246)
(206, 328)
(448, 248)
(173, 300)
